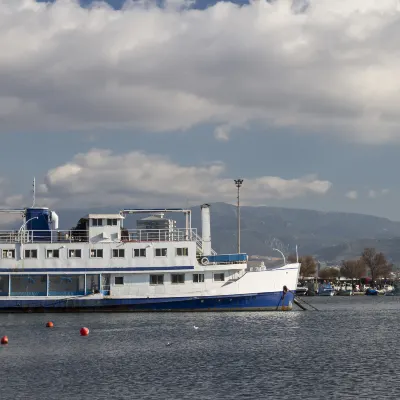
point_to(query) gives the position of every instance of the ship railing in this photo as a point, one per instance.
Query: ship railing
(46, 236)
(159, 235)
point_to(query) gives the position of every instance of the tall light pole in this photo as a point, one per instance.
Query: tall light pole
(238, 184)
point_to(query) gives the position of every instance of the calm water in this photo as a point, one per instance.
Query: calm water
(347, 350)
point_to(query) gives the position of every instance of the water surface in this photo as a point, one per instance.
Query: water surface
(346, 350)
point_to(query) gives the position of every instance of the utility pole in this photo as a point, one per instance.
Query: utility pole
(238, 184)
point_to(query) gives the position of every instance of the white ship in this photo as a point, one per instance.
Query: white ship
(101, 266)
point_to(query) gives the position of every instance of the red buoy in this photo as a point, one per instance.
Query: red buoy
(4, 340)
(50, 324)
(84, 331)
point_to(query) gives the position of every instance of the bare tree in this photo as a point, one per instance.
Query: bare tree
(329, 273)
(308, 266)
(376, 263)
(292, 258)
(353, 269)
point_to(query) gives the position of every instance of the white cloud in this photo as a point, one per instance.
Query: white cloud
(329, 67)
(352, 194)
(9, 202)
(101, 178)
(373, 194)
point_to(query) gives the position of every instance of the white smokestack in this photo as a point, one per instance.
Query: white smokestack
(205, 229)
(54, 219)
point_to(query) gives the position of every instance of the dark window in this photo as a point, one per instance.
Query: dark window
(96, 253)
(156, 279)
(74, 253)
(31, 253)
(97, 222)
(111, 221)
(219, 277)
(177, 278)
(139, 252)
(182, 251)
(161, 252)
(118, 253)
(9, 253)
(53, 253)
(119, 280)
(198, 278)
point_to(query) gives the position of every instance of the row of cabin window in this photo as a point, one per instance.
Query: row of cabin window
(175, 279)
(109, 222)
(95, 253)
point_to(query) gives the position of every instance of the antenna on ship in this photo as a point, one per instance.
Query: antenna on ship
(34, 192)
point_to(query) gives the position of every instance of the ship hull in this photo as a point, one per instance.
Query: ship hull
(273, 301)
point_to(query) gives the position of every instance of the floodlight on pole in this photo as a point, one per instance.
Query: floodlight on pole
(238, 184)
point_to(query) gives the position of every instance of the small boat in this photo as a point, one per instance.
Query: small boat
(301, 290)
(389, 293)
(326, 289)
(345, 290)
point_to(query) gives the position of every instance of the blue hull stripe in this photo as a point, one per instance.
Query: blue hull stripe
(114, 269)
(255, 301)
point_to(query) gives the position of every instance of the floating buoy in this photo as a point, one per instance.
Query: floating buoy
(50, 324)
(84, 331)
(4, 340)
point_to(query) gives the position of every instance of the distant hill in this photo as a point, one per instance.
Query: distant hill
(332, 236)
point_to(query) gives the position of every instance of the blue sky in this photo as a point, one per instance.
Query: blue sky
(134, 106)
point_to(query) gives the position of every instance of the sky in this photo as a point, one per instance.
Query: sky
(146, 103)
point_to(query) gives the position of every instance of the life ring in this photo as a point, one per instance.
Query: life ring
(204, 261)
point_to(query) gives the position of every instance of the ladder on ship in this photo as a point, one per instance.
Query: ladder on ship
(199, 246)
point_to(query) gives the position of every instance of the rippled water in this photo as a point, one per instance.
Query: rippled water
(346, 350)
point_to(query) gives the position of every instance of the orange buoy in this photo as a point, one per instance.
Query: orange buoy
(50, 324)
(4, 340)
(84, 331)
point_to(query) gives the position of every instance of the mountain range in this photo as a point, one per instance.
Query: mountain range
(330, 236)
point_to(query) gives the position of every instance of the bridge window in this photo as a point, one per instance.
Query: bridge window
(32, 253)
(112, 221)
(139, 252)
(219, 277)
(118, 253)
(53, 253)
(156, 279)
(97, 222)
(119, 280)
(177, 278)
(182, 251)
(74, 253)
(198, 278)
(8, 253)
(96, 253)
(161, 252)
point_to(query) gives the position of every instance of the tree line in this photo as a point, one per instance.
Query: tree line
(370, 260)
